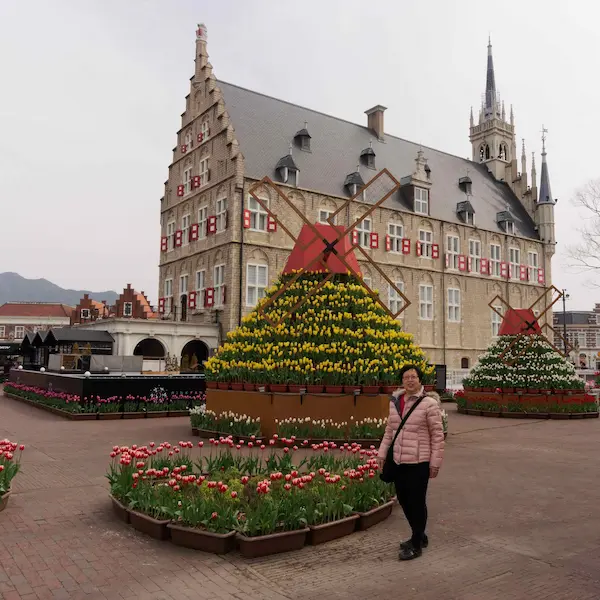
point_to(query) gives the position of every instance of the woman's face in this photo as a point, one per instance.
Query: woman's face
(411, 382)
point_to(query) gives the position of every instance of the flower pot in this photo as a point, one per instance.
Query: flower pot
(249, 387)
(278, 388)
(155, 528)
(295, 389)
(374, 516)
(533, 391)
(222, 385)
(351, 389)
(211, 385)
(134, 415)
(120, 509)
(334, 389)
(237, 387)
(198, 539)
(319, 534)
(370, 389)
(389, 389)
(110, 416)
(429, 387)
(508, 390)
(4, 500)
(155, 414)
(520, 390)
(274, 543)
(314, 389)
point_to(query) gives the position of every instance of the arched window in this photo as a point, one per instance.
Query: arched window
(464, 363)
(484, 152)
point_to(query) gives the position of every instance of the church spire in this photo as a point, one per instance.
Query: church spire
(545, 196)
(491, 105)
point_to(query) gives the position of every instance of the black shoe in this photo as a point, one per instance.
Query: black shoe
(409, 552)
(424, 543)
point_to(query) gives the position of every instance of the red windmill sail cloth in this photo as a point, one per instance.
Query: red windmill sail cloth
(519, 321)
(309, 248)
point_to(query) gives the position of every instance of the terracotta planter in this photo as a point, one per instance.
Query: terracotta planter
(351, 389)
(559, 416)
(134, 415)
(520, 390)
(155, 414)
(295, 389)
(222, 385)
(429, 387)
(374, 516)
(211, 385)
(314, 389)
(371, 389)
(237, 387)
(278, 388)
(533, 391)
(153, 527)
(109, 416)
(4, 501)
(249, 387)
(198, 539)
(320, 534)
(334, 389)
(508, 390)
(120, 509)
(274, 543)
(389, 389)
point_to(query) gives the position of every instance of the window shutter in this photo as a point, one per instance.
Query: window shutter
(462, 262)
(211, 224)
(208, 132)
(435, 251)
(194, 232)
(419, 248)
(209, 296)
(178, 237)
(485, 266)
(271, 224)
(470, 264)
(447, 260)
(523, 272)
(541, 276)
(207, 175)
(504, 270)
(405, 246)
(354, 237)
(164, 244)
(183, 148)
(180, 190)
(388, 243)
(196, 181)
(224, 294)
(161, 306)
(247, 219)
(374, 240)
(192, 300)
(200, 137)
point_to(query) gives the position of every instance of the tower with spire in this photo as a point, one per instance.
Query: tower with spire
(544, 214)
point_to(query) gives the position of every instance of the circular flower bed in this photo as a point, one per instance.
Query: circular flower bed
(338, 337)
(10, 464)
(263, 500)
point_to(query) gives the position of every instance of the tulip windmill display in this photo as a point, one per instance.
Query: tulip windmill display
(320, 325)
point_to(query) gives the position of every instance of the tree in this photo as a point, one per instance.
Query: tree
(586, 254)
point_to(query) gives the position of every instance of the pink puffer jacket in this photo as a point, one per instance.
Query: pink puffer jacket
(422, 437)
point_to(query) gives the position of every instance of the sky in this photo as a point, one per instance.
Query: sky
(92, 92)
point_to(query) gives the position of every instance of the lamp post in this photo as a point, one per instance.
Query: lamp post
(565, 297)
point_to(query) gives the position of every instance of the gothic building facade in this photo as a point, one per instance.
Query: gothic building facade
(457, 233)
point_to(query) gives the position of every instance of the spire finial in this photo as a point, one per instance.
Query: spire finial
(201, 32)
(533, 161)
(544, 132)
(305, 124)
(370, 143)
(523, 146)
(291, 148)
(358, 168)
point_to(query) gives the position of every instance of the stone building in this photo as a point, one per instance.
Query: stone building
(583, 336)
(17, 319)
(456, 234)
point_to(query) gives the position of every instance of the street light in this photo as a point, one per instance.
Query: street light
(565, 297)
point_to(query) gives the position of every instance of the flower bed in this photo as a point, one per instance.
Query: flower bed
(10, 465)
(527, 405)
(114, 407)
(225, 422)
(270, 500)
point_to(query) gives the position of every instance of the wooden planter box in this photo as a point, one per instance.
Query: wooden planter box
(320, 534)
(156, 414)
(110, 416)
(274, 543)
(120, 509)
(198, 539)
(155, 528)
(374, 516)
(134, 415)
(179, 413)
(4, 500)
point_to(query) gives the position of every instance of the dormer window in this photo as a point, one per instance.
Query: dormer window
(506, 222)
(466, 185)
(466, 212)
(367, 157)
(354, 182)
(302, 138)
(421, 201)
(510, 227)
(287, 170)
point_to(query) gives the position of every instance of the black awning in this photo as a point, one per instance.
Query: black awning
(10, 348)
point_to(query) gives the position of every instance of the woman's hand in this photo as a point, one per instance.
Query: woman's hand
(433, 472)
(380, 462)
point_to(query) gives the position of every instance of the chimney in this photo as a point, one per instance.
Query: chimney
(375, 120)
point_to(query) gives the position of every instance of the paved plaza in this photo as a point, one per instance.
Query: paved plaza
(513, 514)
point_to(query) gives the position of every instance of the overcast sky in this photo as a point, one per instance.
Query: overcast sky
(92, 92)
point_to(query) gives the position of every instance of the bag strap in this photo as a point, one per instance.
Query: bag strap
(406, 418)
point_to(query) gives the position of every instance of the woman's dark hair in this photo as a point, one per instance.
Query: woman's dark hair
(411, 368)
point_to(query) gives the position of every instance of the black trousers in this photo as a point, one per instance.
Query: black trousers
(411, 489)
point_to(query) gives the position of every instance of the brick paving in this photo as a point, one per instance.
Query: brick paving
(513, 514)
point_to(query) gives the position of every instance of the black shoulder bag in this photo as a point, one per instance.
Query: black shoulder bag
(388, 472)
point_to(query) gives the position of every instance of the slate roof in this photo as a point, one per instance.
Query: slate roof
(75, 334)
(265, 126)
(575, 318)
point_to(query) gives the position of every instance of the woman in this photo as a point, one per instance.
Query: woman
(418, 453)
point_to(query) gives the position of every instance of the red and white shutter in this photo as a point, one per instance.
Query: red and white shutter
(447, 260)
(209, 297)
(435, 251)
(405, 246)
(183, 148)
(484, 269)
(523, 272)
(504, 270)
(178, 238)
(161, 306)
(388, 243)
(470, 264)
(374, 240)
(192, 300)
(462, 262)
(223, 294)
(164, 244)
(418, 248)
(200, 137)
(246, 219)
(354, 237)
(211, 224)
(541, 276)
(180, 190)
(271, 224)
(196, 181)
(194, 232)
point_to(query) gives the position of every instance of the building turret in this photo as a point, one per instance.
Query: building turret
(545, 204)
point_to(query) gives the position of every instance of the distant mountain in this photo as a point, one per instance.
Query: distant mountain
(14, 288)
